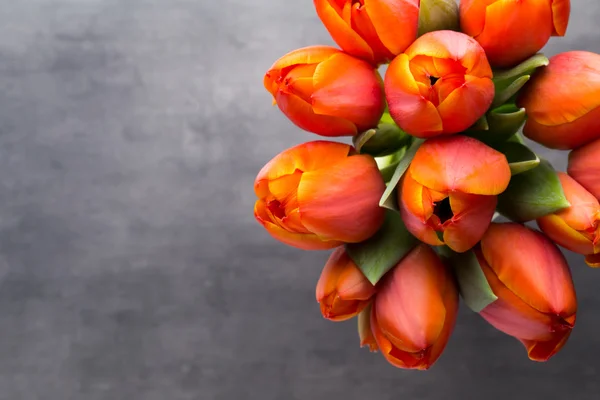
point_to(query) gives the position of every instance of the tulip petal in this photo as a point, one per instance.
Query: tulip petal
(302, 115)
(515, 30)
(584, 213)
(410, 306)
(543, 351)
(362, 24)
(341, 32)
(462, 164)
(305, 55)
(530, 266)
(396, 22)
(593, 260)
(416, 198)
(348, 88)
(304, 241)
(310, 156)
(561, 11)
(472, 15)
(466, 104)
(472, 216)
(585, 168)
(550, 102)
(562, 234)
(409, 109)
(510, 314)
(342, 276)
(334, 207)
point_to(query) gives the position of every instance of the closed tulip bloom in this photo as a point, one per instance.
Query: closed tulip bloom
(319, 195)
(576, 228)
(327, 92)
(530, 276)
(342, 291)
(511, 31)
(584, 167)
(415, 309)
(563, 101)
(374, 30)
(448, 194)
(441, 85)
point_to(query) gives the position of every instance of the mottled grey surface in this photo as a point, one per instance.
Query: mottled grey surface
(130, 263)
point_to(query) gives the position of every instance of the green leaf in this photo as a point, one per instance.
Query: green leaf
(504, 95)
(533, 194)
(509, 82)
(503, 123)
(384, 250)
(474, 287)
(362, 138)
(520, 157)
(388, 200)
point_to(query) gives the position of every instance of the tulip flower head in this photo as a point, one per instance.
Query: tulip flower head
(584, 167)
(374, 30)
(415, 309)
(448, 194)
(441, 85)
(327, 92)
(530, 276)
(319, 195)
(342, 291)
(563, 101)
(511, 31)
(576, 228)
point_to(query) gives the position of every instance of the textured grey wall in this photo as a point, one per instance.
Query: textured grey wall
(130, 263)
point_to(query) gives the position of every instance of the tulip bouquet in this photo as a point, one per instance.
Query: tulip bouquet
(437, 154)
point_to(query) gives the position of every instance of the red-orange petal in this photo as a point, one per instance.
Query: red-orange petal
(462, 164)
(304, 241)
(343, 34)
(561, 11)
(348, 88)
(472, 216)
(342, 202)
(585, 168)
(531, 267)
(396, 22)
(562, 234)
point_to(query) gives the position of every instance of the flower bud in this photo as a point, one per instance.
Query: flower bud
(374, 30)
(441, 85)
(562, 101)
(576, 228)
(342, 291)
(438, 15)
(511, 31)
(448, 194)
(415, 309)
(536, 298)
(584, 167)
(318, 195)
(327, 92)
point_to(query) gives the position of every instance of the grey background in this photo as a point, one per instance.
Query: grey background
(130, 263)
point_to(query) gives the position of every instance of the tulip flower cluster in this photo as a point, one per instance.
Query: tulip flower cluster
(438, 153)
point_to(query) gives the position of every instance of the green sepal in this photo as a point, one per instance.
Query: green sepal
(378, 254)
(520, 157)
(438, 15)
(533, 194)
(508, 82)
(473, 285)
(503, 123)
(388, 200)
(384, 140)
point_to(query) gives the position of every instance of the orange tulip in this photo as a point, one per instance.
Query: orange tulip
(584, 167)
(562, 101)
(441, 85)
(511, 31)
(448, 194)
(319, 195)
(415, 309)
(342, 291)
(576, 228)
(374, 30)
(530, 276)
(327, 92)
